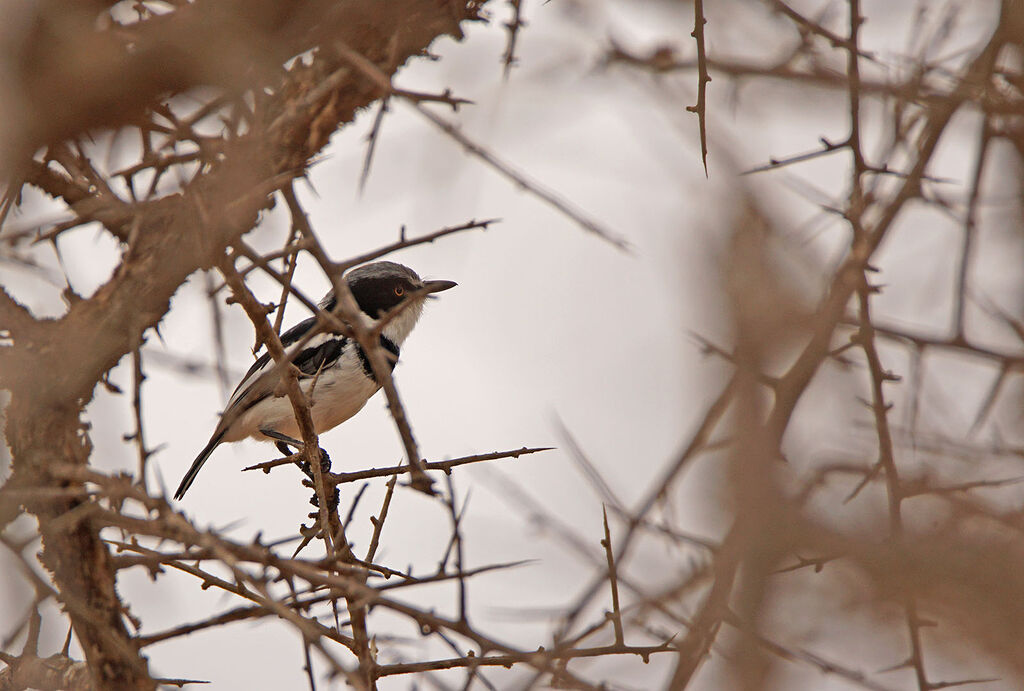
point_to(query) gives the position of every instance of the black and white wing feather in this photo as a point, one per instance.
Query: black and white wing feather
(321, 352)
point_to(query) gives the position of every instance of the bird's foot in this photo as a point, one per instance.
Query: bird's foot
(325, 465)
(332, 490)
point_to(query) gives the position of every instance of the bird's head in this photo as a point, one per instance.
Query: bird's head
(381, 286)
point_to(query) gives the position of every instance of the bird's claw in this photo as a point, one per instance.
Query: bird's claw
(325, 464)
(331, 491)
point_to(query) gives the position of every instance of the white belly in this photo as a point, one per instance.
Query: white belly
(337, 394)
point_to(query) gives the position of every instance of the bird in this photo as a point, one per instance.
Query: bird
(334, 371)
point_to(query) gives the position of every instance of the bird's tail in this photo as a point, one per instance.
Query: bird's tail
(190, 476)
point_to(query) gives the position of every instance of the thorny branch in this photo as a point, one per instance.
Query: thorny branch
(702, 80)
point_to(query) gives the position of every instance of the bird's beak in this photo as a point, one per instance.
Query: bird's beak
(438, 286)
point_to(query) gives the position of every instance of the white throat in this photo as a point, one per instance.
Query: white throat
(401, 326)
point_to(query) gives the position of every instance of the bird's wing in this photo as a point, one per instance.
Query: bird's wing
(264, 363)
(322, 351)
(298, 331)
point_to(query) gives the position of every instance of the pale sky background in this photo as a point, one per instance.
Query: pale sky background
(548, 323)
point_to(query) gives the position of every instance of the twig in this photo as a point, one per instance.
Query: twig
(703, 77)
(512, 27)
(378, 521)
(886, 460)
(303, 417)
(139, 436)
(612, 580)
(456, 516)
(827, 147)
(371, 142)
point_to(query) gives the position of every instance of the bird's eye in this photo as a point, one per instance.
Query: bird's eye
(399, 291)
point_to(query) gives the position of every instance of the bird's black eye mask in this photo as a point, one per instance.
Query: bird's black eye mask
(377, 295)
